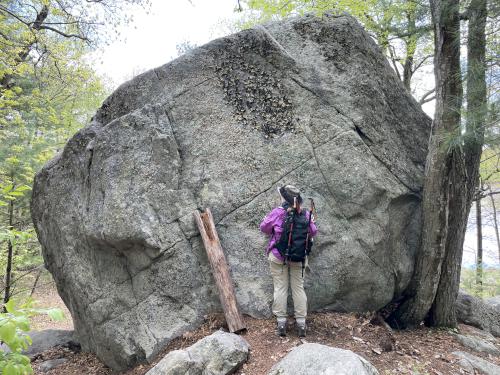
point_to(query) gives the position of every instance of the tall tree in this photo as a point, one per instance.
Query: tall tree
(464, 180)
(445, 163)
(437, 275)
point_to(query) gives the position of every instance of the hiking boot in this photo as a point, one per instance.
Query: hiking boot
(301, 330)
(282, 329)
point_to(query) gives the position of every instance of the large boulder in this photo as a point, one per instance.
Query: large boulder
(475, 312)
(309, 101)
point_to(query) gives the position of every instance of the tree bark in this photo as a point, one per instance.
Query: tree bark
(35, 283)
(442, 312)
(479, 258)
(463, 182)
(8, 271)
(495, 222)
(411, 45)
(441, 164)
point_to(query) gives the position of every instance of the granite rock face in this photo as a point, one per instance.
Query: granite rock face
(309, 101)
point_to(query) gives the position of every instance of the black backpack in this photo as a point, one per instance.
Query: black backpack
(295, 242)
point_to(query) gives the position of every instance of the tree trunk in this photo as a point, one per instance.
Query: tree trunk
(495, 222)
(411, 46)
(465, 173)
(472, 146)
(443, 311)
(421, 292)
(39, 273)
(8, 271)
(479, 259)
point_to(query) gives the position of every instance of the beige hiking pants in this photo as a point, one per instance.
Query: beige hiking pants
(282, 276)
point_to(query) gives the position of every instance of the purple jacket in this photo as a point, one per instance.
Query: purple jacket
(272, 225)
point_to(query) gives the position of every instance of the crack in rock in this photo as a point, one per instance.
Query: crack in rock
(366, 140)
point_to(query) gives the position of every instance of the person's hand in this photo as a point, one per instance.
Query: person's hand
(307, 267)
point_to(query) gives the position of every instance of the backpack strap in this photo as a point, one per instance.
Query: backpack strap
(287, 254)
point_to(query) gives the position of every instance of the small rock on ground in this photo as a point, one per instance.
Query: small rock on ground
(471, 362)
(319, 359)
(220, 353)
(51, 364)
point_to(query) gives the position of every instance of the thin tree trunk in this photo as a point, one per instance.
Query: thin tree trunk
(36, 282)
(476, 102)
(411, 45)
(8, 271)
(496, 224)
(479, 259)
(421, 292)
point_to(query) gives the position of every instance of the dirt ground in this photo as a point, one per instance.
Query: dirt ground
(420, 351)
(46, 296)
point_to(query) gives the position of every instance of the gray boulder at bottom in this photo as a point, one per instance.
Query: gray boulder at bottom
(218, 354)
(478, 344)
(471, 362)
(45, 340)
(494, 301)
(317, 359)
(51, 364)
(475, 312)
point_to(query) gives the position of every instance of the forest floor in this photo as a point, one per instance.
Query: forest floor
(420, 351)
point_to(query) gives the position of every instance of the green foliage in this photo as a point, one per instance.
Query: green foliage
(48, 91)
(490, 165)
(14, 325)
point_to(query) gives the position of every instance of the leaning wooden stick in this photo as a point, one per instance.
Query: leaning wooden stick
(220, 270)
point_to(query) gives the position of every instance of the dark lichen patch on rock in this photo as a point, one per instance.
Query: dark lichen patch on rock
(255, 91)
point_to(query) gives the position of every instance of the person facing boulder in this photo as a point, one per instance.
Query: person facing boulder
(291, 229)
